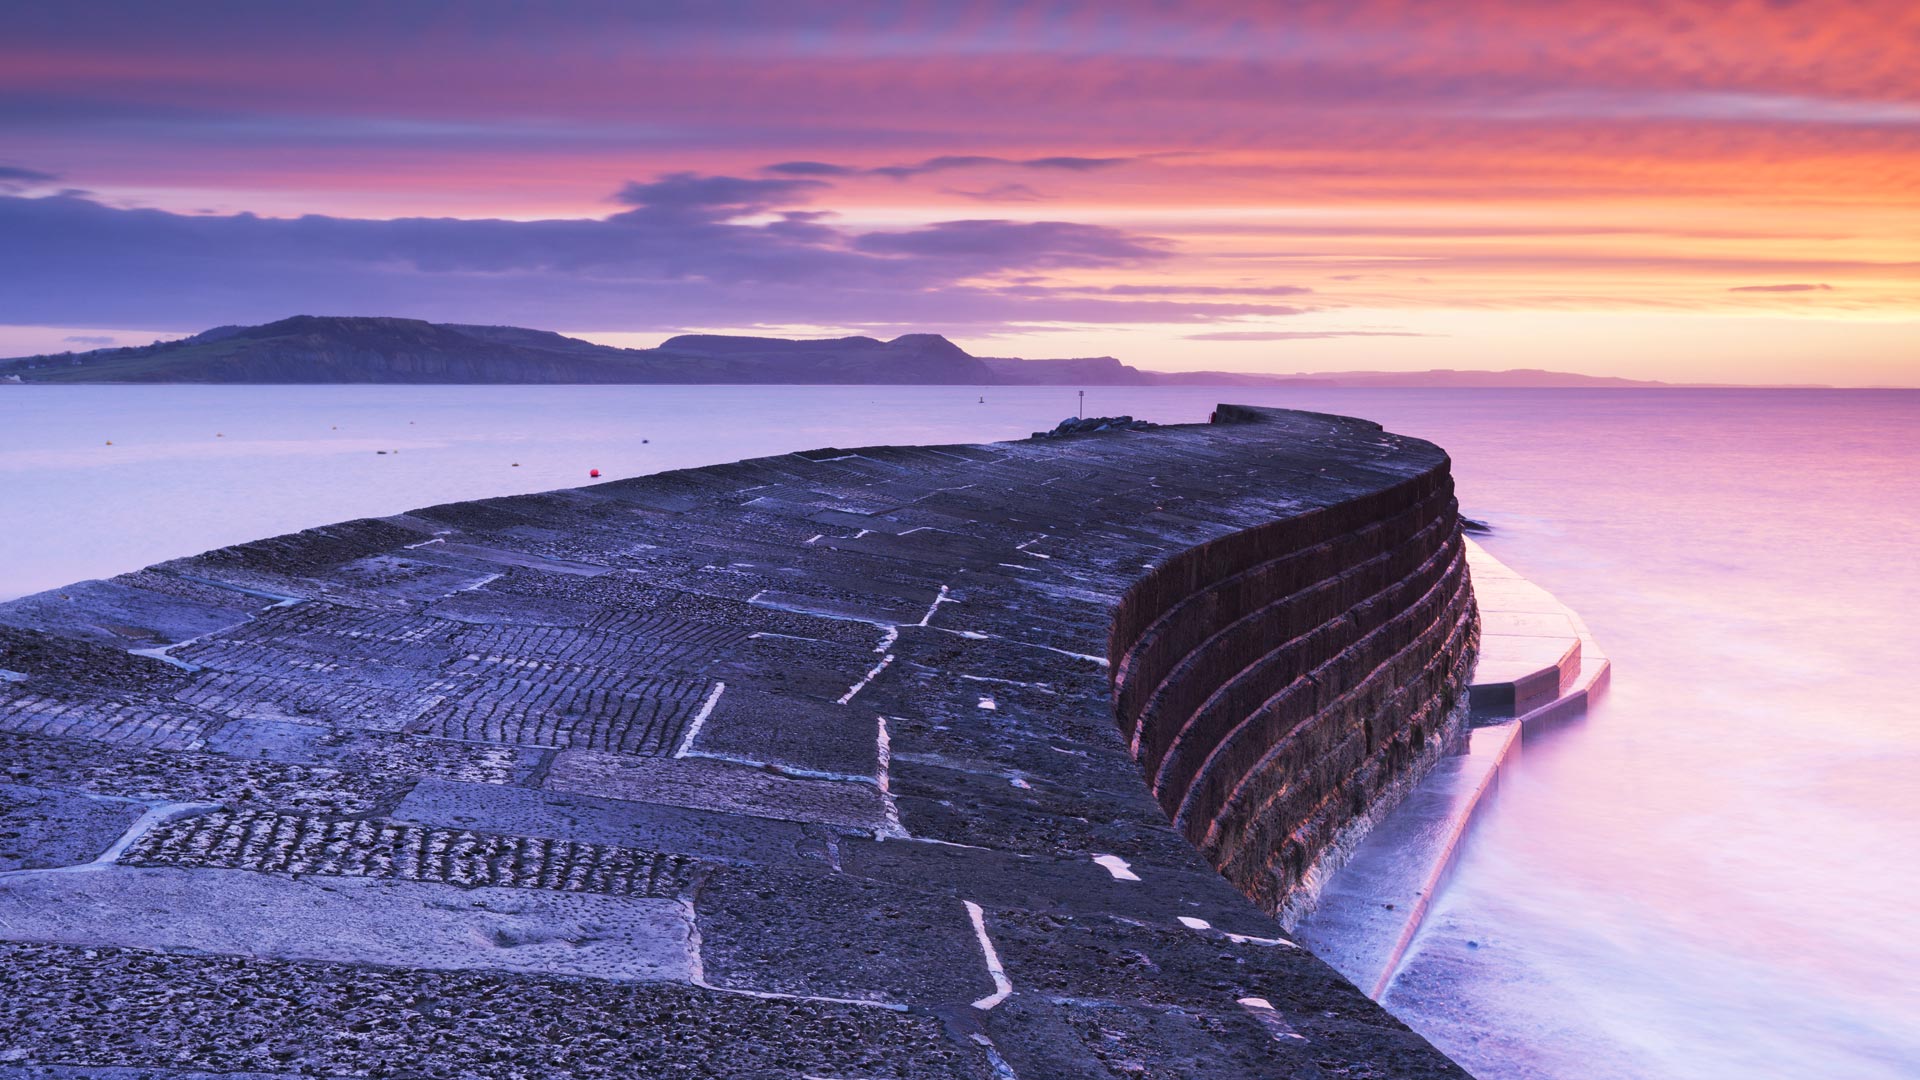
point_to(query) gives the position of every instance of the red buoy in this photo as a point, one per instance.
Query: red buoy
(593, 472)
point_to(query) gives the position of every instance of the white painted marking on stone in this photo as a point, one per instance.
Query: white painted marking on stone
(1101, 660)
(159, 652)
(424, 543)
(942, 598)
(973, 634)
(944, 843)
(861, 533)
(12, 676)
(988, 703)
(482, 583)
(883, 775)
(865, 679)
(1019, 782)
(792, 772)
(814, 537)
(1269, 1018)
(1001, 1070)
(1003, 682)
(915, 529)
(1001, 986)
(700, 718)
(1192, 923)
(1117, 866)
(1243, 939)
(886, 640)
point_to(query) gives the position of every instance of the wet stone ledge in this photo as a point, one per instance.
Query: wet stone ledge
(898, 762)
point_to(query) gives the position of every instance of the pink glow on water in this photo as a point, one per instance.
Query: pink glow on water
(1713, 876)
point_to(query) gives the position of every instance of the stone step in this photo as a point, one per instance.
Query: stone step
(1539, 666)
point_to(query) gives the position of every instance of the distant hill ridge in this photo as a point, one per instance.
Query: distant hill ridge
(365, 349)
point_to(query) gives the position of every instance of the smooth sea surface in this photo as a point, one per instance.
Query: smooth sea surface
(1715, 875)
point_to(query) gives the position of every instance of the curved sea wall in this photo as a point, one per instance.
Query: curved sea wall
(1281, 684)
(798, 766)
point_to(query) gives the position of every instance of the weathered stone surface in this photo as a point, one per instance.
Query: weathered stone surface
(389, 923)
(524, 812)
(730, 787)
(193, 777)
(107, 1006)
(793, 732)
(838, 936)
(715, 772)
(40, 829)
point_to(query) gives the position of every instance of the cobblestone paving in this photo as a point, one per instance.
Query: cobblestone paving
(269, 842)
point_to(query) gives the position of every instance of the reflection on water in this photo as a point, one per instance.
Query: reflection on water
(1713, 876)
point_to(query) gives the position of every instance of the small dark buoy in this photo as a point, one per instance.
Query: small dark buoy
(109, 442)
(644, 442)
(219, 435)
(593, 472)
(516, 464)
(379, 451)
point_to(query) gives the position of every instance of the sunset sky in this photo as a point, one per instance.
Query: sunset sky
(1684, 191)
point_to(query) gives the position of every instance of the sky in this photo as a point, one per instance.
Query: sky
(1689, 191)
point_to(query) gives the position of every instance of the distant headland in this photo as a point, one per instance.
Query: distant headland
(352, 349)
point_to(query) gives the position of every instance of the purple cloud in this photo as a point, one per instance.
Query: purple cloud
(683, 255)
(88, 339)
(945, 163)
(15, 178)
(1297, 335)
(999, 193)
(811, 168)
(990, 242)
(714, 198)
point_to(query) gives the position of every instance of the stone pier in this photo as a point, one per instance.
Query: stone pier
(978, 761)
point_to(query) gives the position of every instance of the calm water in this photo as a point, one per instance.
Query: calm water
(1715, 876)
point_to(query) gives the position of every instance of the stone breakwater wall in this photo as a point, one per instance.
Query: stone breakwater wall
(1282, 684)
(803, 766)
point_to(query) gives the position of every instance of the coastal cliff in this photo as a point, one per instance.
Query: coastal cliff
(826, 764)
(368, 349)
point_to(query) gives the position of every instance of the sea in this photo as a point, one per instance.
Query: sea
(1716, 874)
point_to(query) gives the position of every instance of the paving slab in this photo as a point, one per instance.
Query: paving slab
(132, 1009)
(398, 924)
(837, 936)
(528, 812)
(41, 829)
(699, 783)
